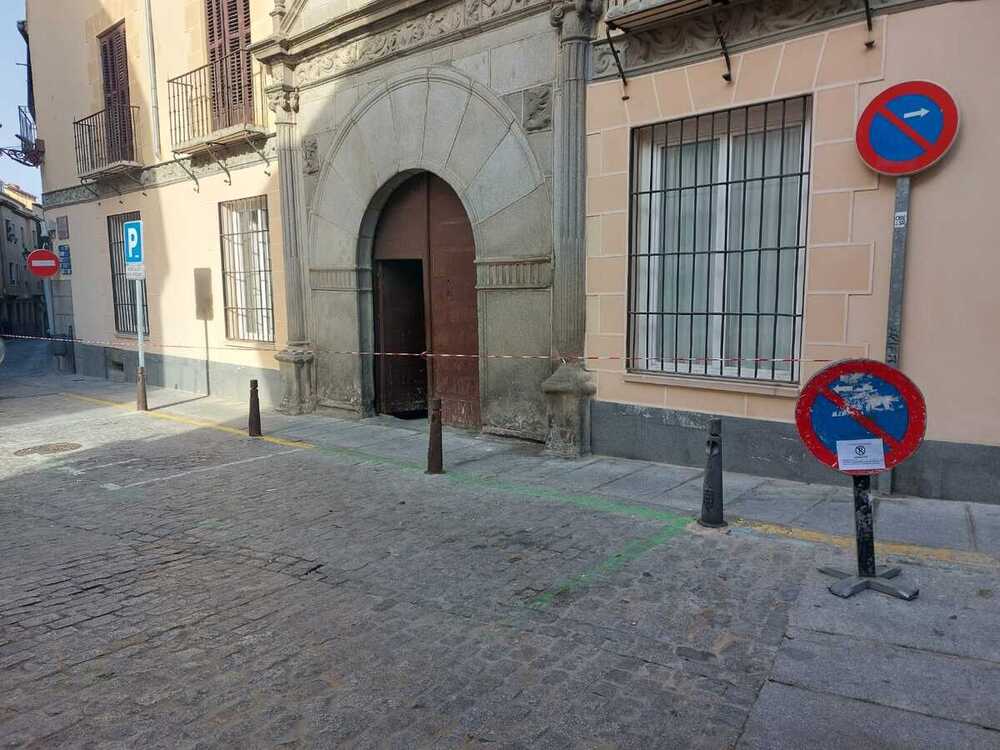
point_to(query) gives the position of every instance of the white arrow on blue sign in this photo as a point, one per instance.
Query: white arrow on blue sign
(135, 267)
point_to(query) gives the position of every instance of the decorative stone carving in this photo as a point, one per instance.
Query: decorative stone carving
(283, 100)
(538, 108)
(405, 36)
(696, 36)
(340, 279)
(156, 176)
(514, 273)
(310, 155)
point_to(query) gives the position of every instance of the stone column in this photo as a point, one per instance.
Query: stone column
(569, 390)
(297, 358)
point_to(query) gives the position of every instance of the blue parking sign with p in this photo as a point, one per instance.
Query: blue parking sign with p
(133, 248)
(133, 241)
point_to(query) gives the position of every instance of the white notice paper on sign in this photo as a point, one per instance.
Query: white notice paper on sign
(860, 455)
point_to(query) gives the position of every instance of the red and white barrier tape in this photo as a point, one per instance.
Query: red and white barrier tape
(442, 355)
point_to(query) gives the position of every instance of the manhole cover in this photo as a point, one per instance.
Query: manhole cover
(44, 450)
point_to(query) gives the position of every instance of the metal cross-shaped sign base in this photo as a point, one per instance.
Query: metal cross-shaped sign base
(849, 584)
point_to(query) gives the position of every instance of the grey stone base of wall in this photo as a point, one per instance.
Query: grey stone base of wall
(231, 382)
(950, 471)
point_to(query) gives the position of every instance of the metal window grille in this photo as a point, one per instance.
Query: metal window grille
(246, 269)
(718, 210)
(122, 289)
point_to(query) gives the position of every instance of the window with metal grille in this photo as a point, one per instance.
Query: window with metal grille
(122, 289)
(718, 207)
(246, 269)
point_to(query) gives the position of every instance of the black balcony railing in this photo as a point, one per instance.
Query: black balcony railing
(107, 140)
(224, 95)
(27, 133)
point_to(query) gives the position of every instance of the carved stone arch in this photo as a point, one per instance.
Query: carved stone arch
(436, 120)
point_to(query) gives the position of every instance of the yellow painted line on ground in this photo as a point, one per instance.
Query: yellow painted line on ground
(191, 421)
(941, 554)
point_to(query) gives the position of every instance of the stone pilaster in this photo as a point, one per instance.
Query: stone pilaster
(297, 359)
(569, 390)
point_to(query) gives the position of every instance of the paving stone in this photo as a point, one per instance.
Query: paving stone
(948, 687)
(787, 716)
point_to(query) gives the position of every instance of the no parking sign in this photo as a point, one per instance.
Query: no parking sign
(907, 128)
(861, 417)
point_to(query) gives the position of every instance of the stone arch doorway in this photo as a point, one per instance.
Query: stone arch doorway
(425, 300)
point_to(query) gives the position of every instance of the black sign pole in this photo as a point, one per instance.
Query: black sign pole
(869, 576)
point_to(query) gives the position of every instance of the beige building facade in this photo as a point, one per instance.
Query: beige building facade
(144, 116)
(22, 303)
(808, 255)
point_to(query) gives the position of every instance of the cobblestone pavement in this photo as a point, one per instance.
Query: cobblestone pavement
(168, 585)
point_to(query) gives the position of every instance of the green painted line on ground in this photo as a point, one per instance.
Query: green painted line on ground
(584, 502)
(632, 551)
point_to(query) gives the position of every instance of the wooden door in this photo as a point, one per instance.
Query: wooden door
(424, 221)
(454, 319)
(118, 145)
(228, 26)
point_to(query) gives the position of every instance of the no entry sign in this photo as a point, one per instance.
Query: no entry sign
(44, 263)
(860, 416)
(907, 128)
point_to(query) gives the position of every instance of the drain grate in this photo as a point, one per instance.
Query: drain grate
(47, 448)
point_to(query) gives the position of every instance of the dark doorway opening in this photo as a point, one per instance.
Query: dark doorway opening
(400, 382)
(425, 300)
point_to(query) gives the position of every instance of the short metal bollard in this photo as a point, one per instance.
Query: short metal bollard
(435, 457)
(253, 424)
(140, 390)
(711, 499)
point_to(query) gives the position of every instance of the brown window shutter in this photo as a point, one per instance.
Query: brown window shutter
(228, 31)
(114, 66)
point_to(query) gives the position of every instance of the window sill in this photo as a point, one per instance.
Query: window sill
(252, 346)
(715, 384)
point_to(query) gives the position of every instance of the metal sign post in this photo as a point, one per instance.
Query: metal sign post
(862, 417)
(135, 269)
(906, 129)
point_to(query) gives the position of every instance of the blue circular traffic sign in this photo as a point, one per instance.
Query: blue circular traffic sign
(861, 416)
(907, 128)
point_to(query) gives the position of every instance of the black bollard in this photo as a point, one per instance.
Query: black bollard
(711, 499)
(435, 458)
(253, 425)
(140, 390)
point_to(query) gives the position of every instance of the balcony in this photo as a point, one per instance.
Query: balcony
(217, 104)
(107, 142)
(32, 149)
(633, 15)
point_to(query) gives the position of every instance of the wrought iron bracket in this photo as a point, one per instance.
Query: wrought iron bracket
(728, 75)
(222, 166)
(871, 26)
(19, 156)
(179, 163)
(618, 61)
(260, 153)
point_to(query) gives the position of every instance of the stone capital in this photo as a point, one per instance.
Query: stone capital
(283, 100)
(576, 20)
